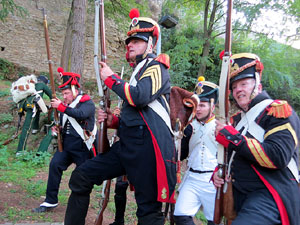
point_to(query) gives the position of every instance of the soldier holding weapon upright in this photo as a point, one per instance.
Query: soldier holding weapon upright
(263, 146)
(78, 128)
(145, 151)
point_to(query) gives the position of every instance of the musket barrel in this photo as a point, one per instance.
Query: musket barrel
(224, 114)
(103, 143)
(51, 77)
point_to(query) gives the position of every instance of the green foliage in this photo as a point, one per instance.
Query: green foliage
(185, 54)
(10, 7)
(5, 118)
(185, 47)
(32, 160)
(200, 216)
(118, 10)
(4, 156)
(281, 66)
(4, 92)
(6, 68)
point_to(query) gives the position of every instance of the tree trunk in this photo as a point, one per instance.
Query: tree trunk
(205, 54)
(78, 36)
(207, 35)
(66, 52)
(74, 44)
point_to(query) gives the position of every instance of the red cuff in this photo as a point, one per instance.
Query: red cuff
(61, 107)
(114, 122)
(109, 81)
(231, 130)
(222, 139)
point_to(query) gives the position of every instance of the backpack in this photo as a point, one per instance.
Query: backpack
(23, 87)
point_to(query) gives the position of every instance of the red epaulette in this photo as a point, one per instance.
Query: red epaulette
(164, 59)
(279, 109)
(85, 98)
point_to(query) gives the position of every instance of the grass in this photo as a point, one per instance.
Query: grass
(22, 173)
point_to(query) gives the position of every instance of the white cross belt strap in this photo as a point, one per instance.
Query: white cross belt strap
(88, 139)
(248, 120)
(155, 105)
(162, 112)
(249, 124)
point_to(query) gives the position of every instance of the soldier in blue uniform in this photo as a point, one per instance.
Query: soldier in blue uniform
(263, 142)
(146, 151)
(78, 129)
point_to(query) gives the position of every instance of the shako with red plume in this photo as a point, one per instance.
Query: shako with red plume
(142, 27)
(69, 79)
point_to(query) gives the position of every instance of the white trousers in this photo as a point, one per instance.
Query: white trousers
(196, 191)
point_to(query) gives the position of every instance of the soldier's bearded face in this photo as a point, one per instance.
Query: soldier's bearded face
(68, 96)
(203, 111)
(136, 47)
(242, 90)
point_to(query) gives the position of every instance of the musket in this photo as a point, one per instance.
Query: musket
(113, 138)
(56, 118)
(178, 131)
(103, 143)
(224, 115)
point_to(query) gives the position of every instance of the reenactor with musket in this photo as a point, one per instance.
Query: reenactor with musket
(145, 151)
(78, 129)
(263, 147)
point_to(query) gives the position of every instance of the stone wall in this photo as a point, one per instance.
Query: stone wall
(22, 39)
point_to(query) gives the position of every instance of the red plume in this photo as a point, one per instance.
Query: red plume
(221, 54)
(134, 13)
(60, 70)
(259, 66)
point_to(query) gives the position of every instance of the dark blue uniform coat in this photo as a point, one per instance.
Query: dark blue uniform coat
(263, 165)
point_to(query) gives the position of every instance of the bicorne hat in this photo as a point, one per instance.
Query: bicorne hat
(70, 80)
(142, 28)
(245, 65)
(207, 91)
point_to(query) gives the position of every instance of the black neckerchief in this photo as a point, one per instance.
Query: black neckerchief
(139, 58)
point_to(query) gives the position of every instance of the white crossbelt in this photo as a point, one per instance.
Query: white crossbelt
(250, 126)
(154, 105)
(88, 140)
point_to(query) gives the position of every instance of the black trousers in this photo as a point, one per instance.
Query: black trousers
(134, 156)
(74, 151)
(255, 208)
(120, 198)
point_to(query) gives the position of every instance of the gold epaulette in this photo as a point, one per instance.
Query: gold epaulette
(280, 109)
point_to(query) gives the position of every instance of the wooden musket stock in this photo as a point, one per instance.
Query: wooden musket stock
(224, 116)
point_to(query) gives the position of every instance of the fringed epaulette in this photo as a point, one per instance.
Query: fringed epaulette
(164, 59)
(279, 109)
